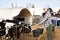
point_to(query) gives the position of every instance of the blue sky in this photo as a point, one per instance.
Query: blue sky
(37, 3)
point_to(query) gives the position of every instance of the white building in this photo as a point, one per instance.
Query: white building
(9, 13)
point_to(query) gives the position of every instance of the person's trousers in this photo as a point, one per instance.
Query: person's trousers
(49, 32)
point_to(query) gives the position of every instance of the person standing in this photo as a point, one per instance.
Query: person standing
(47, 23)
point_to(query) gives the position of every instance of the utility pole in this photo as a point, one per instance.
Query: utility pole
(27, 5)
(33, 6)
(16, 5)
(12, 5)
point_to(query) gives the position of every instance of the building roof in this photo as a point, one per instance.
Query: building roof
(9, 13)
